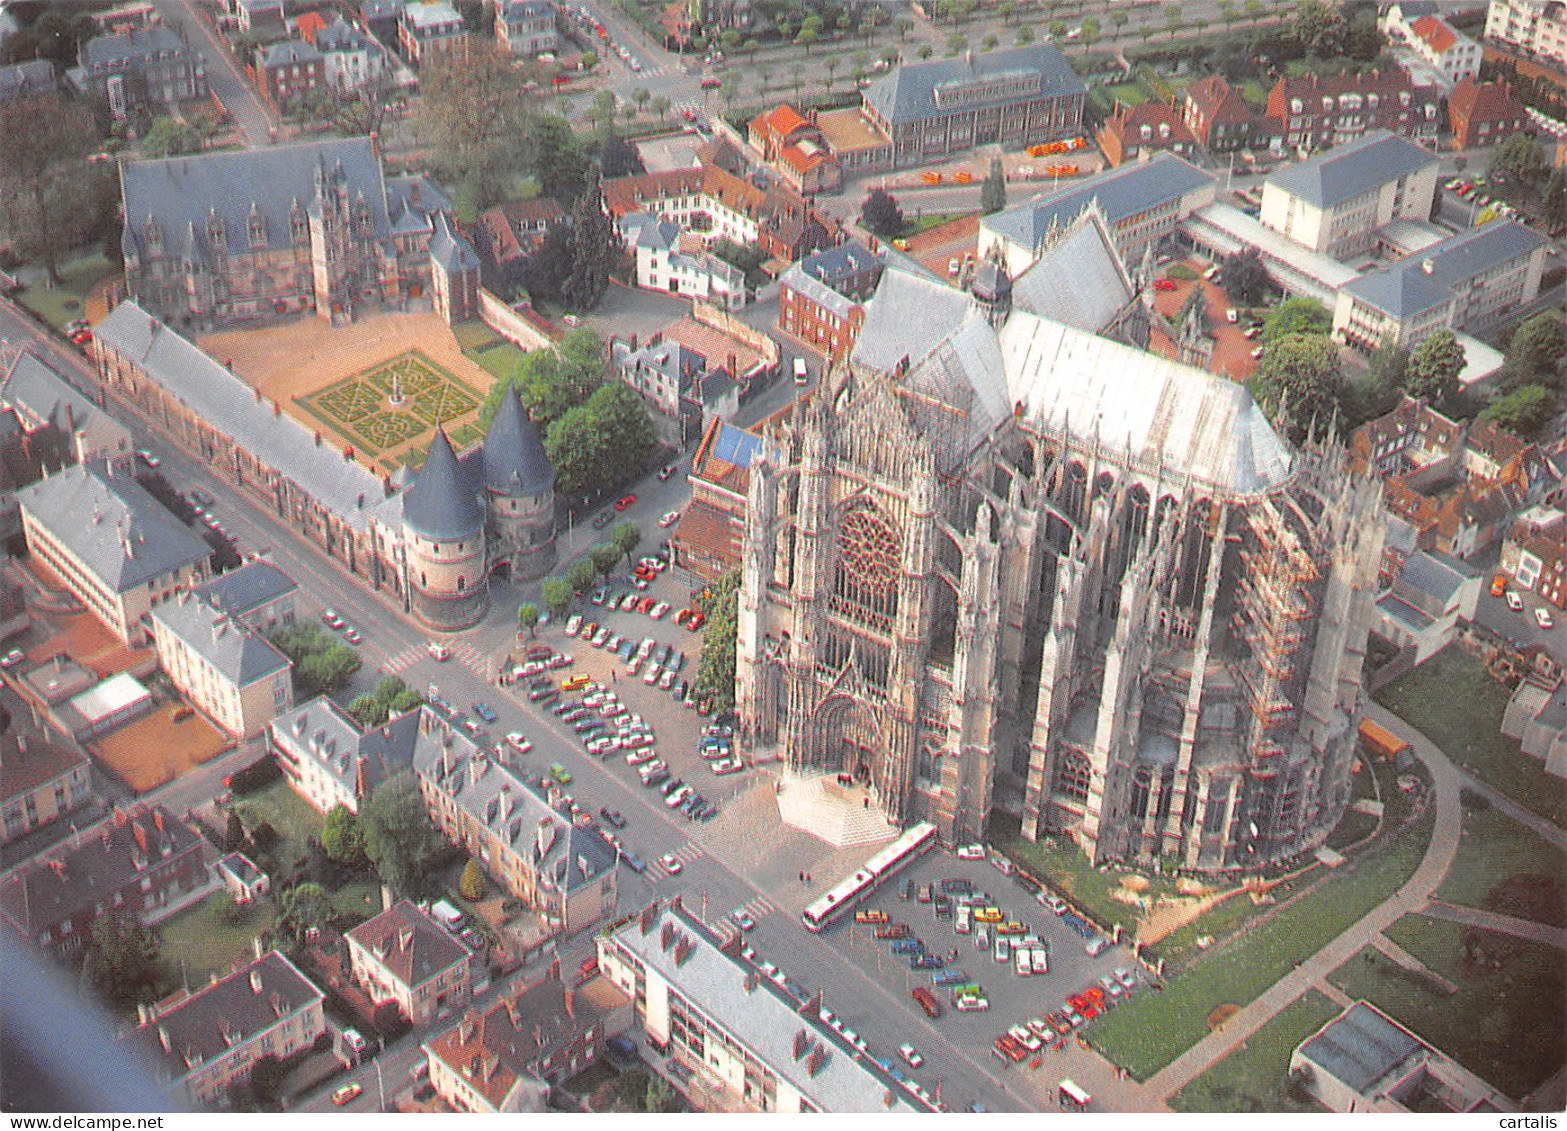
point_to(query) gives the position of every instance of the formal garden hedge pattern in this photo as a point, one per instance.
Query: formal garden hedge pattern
(360, 407)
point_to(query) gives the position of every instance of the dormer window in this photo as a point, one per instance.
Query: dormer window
(1296, 106)
(154, 236)
(1164, 129)
(1147, 132)
(216, 234)
(1327, 104)
(1403, 98)
(1373, 99)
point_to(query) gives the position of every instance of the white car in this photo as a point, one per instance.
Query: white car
(1543, 619)
(971, 852)
(518, 743)
(1514, 602)
(659, 610)
(669, 518)
(573, 623)
(650, 677)
(727, 766)
(671, 865)
(910, 1055)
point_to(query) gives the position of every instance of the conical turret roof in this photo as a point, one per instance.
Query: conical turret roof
(514, 459)
(441, 504)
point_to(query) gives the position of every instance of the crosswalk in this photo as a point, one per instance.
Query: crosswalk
(689, 852)
(686, 109)
(463, 653)
(757, 907)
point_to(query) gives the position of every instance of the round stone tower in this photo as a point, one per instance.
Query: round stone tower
(443, 537)
(519, 492)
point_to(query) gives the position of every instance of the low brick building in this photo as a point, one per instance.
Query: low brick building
(1484, 113)
(1133, 133)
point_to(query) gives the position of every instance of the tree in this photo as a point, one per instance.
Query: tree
(582, 575)
(1025, 35)
(1244, 277)
(391, 696)
(168, 138)
(399, 839)
(1297, 382)
(550, 264)
(266, 1080)
(661, 106)
(1523, 410)
(881, 215)
(47, 31)
(556, 593)
(320, 663)
(234, 836)
(1537, 345)
(830, 65)
(596, 248)
(51, 199)
(619, 158)
(626, 537)
(989, 42)
(605, 557)
(342, 837)
(716, 672)
(302, 909)
(121, 959)
(1434, 366)
(1119, 19)
(471, 110)
(528, 617)
(808, 38)
(655, 1098)
(957, 42)
(600, 442)
(993, 193)
(641, 96)
(904, 24)
(1320, 27)
(471, 886)
(1519, 156)
(923, 51)
(557, 158)
(1296, 316)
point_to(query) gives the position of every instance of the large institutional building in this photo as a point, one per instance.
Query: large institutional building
(1002, 561)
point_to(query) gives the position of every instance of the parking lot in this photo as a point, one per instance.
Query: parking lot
(1013, 1000)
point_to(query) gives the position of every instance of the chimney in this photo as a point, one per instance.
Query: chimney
(666, 936)
(571, 1003)
(21, 744)
(157, 820)
(466, 1029)
(801, 1043)
(255, 981)
(1428, 266)
(164, 1039)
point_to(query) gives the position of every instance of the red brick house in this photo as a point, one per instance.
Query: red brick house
(821, 299)
(1484, 113)
(144, 862)
(1134, 133)
(1319, 111)
(706, 543)
(1220, 119)
(283, 70)
(792, 144)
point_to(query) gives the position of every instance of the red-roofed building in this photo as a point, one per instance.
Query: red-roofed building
(1220, 119)
(403, 955)
(308, 24)
(706, 543)
(792, 144)
(714, 203)
(1534, 554)
(1451, 52)
(1484, 113)
(1134, 133)
(1319, 111)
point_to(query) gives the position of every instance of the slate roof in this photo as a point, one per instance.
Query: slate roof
(909, 92)
(1120, 192)
(1347, 171)
(1079, 280)
(31, 77)
(30, 758)
(908, 316)
(41, 396)
(211, 392)
(140, 45)
(181, 192)
(515, 462)
(1406, 289)
(1432, 581)
(451, 249)
(244, 1004)
(112, 525)
(412, 946)
(341, 35)
(239, 591)
(442, 503)
(237, 652)
(289, 52)
(359, 760)
(431, 15)
(687, 954)
(1361, 1047)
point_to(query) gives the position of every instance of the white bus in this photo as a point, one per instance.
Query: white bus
(876, 870)
(1074, 1098)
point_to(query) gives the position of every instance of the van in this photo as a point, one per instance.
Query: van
(801, 377)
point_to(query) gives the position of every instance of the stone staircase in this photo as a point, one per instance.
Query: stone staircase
(804, 804)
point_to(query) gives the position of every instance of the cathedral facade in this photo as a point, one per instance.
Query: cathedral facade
(1001, 562)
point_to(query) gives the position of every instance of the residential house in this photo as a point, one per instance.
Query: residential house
(1141, 205)
(1363, 1060)
(524, 837)
(245, 882)
(1492, 452)
(55, 425)
(111, 544)
(1485, 113)
(527, 27)
(258, 594)
(1410, 437)
(382, 18)
(403, 955)
(677, 383)
(506, 1058)
(260, 18)
(23, 80)
(430, 30)
(286, 71)
(1135, 133)
(1319, 111)
(42, 777)
(229, 671)
(202, 1042)
(1461, 520)
(132, 69)
(1466, 282)
(329, 759)
(821, 298)
(663, 262)
(1451, 53)
(1013, 97)
(705, 544)
(1534, 554)
(1220, 118)
(1536, 716)
(146, 862)
(795, 146)
(1535, 30)
(1335, 202)
(352, 59)
(699, 999)
(507, 235)
(1430, 596)
(1395, 18)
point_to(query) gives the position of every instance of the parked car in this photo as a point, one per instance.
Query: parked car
(625, 501)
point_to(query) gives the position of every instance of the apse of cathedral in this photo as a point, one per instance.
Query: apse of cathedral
(1004, 559)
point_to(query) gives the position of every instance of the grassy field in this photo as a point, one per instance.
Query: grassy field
(498, 359)
(296, 823)
(1153, 1029)
(63, 304)
(1452, 700)
(1255, 1077)
(1495, 848)
(208, 937)
(1507, 1020)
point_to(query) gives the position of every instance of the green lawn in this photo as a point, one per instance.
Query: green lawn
(1131, 93)
(1494, 849)
(295, 821)
(1255, 1077)
(1459, 707)
(1254, 93)
(474, 336)
(915, 225)
(1507, 1020)
(1153, 1029)
(499, 359)
(63, 304)
(208, 937)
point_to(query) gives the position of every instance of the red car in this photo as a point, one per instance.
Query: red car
(1164, 284)
(646, 604)
(698, 619)
(624, 501)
